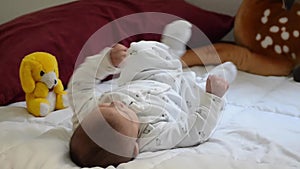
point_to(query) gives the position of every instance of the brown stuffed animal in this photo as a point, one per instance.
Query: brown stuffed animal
(267, 40)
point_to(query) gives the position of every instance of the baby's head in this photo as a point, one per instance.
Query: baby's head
(107, 136)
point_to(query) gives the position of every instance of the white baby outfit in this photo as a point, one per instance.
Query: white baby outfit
(173, 109)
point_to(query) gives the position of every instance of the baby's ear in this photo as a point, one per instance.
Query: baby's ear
(136, 149)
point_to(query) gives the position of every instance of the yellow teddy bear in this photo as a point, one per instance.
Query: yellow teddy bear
(39, 79)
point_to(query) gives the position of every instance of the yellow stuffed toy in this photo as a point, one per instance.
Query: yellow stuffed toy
(38, 76)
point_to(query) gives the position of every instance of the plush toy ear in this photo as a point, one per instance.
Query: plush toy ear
(27, 81)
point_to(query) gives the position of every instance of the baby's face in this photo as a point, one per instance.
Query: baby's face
(120, 110)
(124, 116)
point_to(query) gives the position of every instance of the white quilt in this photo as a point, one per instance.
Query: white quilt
(260, 129)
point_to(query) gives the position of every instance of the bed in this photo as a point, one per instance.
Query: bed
(260, 126)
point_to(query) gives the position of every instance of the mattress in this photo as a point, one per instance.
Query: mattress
(260, 128)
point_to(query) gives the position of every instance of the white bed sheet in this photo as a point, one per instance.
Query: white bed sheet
(260, 129)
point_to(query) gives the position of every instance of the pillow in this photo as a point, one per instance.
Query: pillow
(63, 30)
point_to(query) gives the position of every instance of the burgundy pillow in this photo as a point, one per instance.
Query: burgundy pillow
(63, 30)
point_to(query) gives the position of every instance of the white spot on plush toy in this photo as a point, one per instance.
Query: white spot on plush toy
(294, 56)
(277, 49)
(258, 37)
(286, 49)
(274, 29)
(298, 13)
(267, 12)
(296, 34)
(283, 20)
(264, 20)
(267, 42)
(285, 35)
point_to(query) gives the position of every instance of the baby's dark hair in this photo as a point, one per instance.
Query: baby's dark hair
(87, 152)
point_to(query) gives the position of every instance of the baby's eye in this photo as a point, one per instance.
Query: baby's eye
(42, 73)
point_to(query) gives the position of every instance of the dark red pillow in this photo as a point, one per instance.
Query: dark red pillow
(63, 30)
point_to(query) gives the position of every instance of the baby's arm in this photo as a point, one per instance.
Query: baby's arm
(81, 87)
(118, 54)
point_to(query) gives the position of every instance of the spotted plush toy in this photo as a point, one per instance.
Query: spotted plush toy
(267, 36)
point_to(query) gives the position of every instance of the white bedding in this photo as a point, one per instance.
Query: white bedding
(260, 129)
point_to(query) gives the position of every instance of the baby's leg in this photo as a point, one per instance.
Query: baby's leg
(216, 85)
(227, 71)
(219, 78)
(176, 35)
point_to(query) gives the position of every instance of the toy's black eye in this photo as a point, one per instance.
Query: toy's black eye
(42, 73)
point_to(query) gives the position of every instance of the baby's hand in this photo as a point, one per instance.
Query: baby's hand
(118, 54)
(216, 85)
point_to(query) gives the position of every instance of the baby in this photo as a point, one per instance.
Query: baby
(154, 106)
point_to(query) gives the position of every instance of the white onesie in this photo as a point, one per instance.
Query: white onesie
(173, 109)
